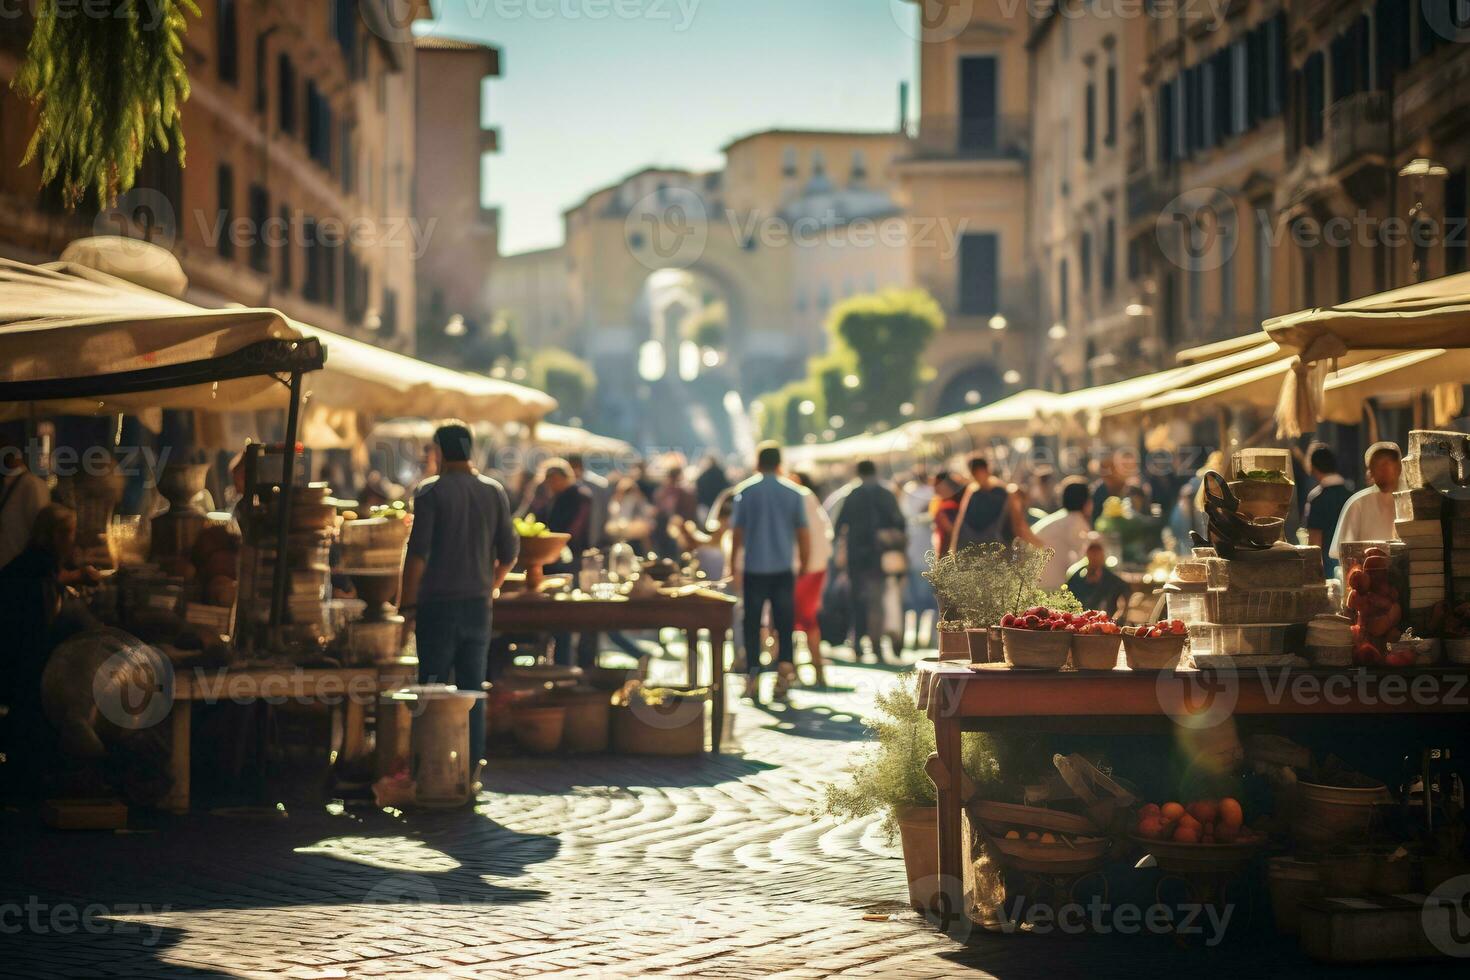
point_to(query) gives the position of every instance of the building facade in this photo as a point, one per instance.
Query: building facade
(298, 188)
(461, 238)
(965, 179)
(795, 221)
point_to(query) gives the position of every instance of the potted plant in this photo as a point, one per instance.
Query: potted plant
(889, 777)
(980, 584)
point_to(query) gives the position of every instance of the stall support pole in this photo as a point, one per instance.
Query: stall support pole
(282, 572)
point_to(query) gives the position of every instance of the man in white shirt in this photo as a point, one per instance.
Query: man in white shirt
(1066, 532)
(22, 496)
(1368, 514)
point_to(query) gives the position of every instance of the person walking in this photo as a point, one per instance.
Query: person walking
(990, 511)
(768, 526)
(1325, 503)
(22, 496)
(1368, 515)
(711, 482)
(1066, 533)
(813, 577)
(462, 546)
(868, 526)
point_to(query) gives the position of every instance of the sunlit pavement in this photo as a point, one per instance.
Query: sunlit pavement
(583, 866)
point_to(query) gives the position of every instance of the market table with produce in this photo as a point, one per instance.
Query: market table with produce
(1256, 635)
(692, 612)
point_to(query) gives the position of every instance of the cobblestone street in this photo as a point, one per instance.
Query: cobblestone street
(598, 866)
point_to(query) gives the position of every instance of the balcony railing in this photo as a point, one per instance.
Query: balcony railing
(1357, 127)
(959, 138)
(1018, 304)
(1149, 192)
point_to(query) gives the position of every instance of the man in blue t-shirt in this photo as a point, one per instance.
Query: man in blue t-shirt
(769, 525)
(1324, 504)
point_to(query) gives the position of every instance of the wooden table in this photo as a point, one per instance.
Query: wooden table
(350, 688)
(522, 613)
(960, 698)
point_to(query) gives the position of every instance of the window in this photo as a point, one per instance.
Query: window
(349, 157)
(1263, 262)
(1196, 296)
(788, 162)
(1456, 214)
(1084, 261)
(1314, 94)
(389, 317)
(227, 41)
(978, 123)
(979, 285)
(1109, 269)
(1227, 279)
(344, 28)
(262, 81)
(318, 126)
(313, 278)
(284, 272)
(286, 94)
(1392, 20)
(1167, 134)
(260, 213)
(859, 166)
(1064, 290)
(1089, 132)
(225, 186)
(1344, 272)
(1110, 119)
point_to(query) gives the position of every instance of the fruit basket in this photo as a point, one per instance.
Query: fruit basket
(1039, 841)
(1034, 649)
(1097, 651)
(1174, 856)
(1157, 647)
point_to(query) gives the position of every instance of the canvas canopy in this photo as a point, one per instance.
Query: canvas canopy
(75, 340)
(1426, 315)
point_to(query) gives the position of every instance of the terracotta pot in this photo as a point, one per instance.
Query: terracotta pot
(979, 643)
(954, 645)
(538, 728)
(918, 829)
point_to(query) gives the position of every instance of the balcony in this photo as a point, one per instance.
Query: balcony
(957, 138)
(1149, 192)
(1357, 130)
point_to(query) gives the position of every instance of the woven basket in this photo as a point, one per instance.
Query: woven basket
(1095, 651)
(1154, 652)
(1035, 649)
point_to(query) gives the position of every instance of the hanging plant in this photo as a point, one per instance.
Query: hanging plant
(109, 81)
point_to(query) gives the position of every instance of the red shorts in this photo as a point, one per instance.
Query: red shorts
(809, 599)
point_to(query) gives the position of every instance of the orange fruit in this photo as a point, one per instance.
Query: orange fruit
(1186, 835)
(1149, 810)
(1188, 822)
(1151, 828)
(1171, 812)
(1204, 811)
(1231, 813)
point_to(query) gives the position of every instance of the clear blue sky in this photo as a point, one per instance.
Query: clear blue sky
(583, 102)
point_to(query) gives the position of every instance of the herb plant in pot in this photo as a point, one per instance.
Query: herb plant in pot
(977, 586)
(889, 777)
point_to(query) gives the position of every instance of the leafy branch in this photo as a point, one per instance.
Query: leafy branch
(108, 84)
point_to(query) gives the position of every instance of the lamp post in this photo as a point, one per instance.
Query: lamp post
(1419, 171)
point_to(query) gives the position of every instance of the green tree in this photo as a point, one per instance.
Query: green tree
(107, 89)
(565, 377)
(887, 334)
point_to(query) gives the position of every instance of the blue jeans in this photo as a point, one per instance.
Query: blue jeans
(453, 638)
